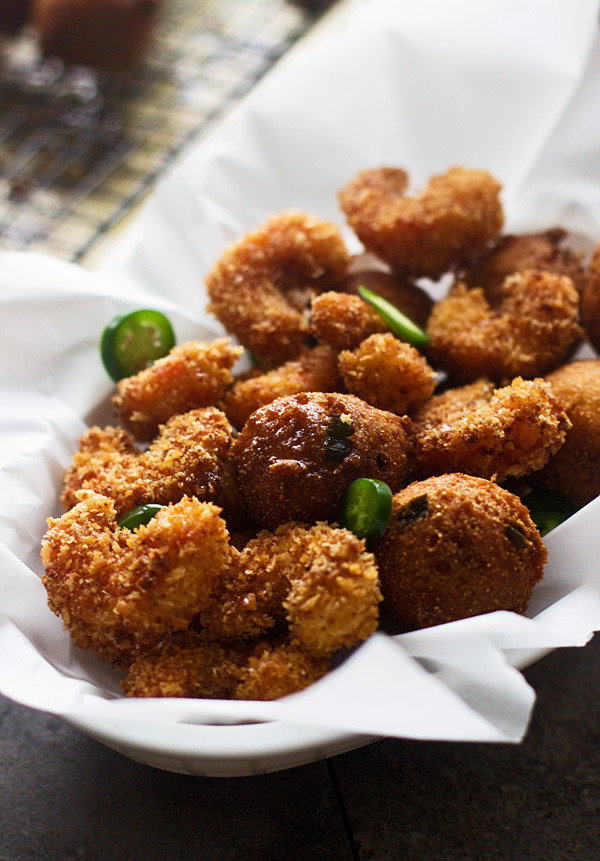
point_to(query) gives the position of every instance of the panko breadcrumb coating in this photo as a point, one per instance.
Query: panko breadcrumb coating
(575, 468)
(193, 375)
(343, 321)
(295, 457)
(189, 457)
(449, 222)
(315, 370)
(189, 665)
(531, 332)
(514, 253)
(388, 374)
(319, 580)
(457, 546)
(507, 432)
(119, 591)
(260, 289)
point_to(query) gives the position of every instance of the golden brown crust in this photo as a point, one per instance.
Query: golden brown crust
(295, 457)
(117, 591)
(388, 374)
(314, 370)
(261, 287)
(193, 375)
(189, 665)
(343, 321)
(531, 332)
(453, 218)
(514, 253)
(457, 546)
(590, 300)
(189, 457)
(575, 468)
(511, 431)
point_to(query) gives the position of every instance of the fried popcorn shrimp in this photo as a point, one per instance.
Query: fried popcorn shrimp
(315, 370)
(456, 546)
(530, 333)
(189, 457)
(319, 580)
(119, 591)
(261, 287)
(388, 374)
(343, 321)
(188, 665)
(575, 468)
(590, 300)
(193, 375)
(507, 432)
(514, 253)
(453, 218)
(295, 457)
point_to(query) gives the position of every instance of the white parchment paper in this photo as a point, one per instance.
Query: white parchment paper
(510, 86)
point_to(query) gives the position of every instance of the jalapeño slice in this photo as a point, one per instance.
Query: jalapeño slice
(399, 323)
(131, 342)
(139, 515)
(366, 508)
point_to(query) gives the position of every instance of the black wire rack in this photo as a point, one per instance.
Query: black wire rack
(79, 149)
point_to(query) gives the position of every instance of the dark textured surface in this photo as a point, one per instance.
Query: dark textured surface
(64, 796)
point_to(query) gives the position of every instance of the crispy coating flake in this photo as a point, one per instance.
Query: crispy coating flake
(189, 457)
(530, 333)
(388, 374)
(193, 375)
(514, 253)
(343, 320)
(319, 580)
(189, 665)
(295, 457)
(315, 370)
(507, 432)
(260, 289)
(119, 591)
(457, 546)
(451, 220)
(575, 468)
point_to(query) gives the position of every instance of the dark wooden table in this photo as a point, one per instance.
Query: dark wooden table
(64, 796)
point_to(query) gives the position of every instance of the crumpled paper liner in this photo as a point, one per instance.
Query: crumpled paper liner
(505, 86)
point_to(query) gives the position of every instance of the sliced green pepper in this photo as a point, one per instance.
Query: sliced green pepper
(131, 342)
(366, 508)
(139, 515)
(399, 323)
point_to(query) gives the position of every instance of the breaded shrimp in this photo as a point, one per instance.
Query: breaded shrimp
(315, 370)
(119, 591)
(295, 457)
(514, 253)
(188, 665)
(260, 289)
(388, 374)
(532, 331)
(189, 457)
(193, 375)
(343, 321)
(318, 580)
(507, 432)
(453, 218)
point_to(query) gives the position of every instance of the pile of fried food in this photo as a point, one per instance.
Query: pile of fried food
(244, 585)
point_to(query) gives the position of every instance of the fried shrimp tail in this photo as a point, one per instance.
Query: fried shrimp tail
(261, 287)
(450, 221)
(119, 591)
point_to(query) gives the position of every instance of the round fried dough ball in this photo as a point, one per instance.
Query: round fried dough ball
(111, 35)
(457, 546)
(575, 468)
(295, 457)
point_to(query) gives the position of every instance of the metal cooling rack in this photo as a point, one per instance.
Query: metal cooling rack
(79, 149)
